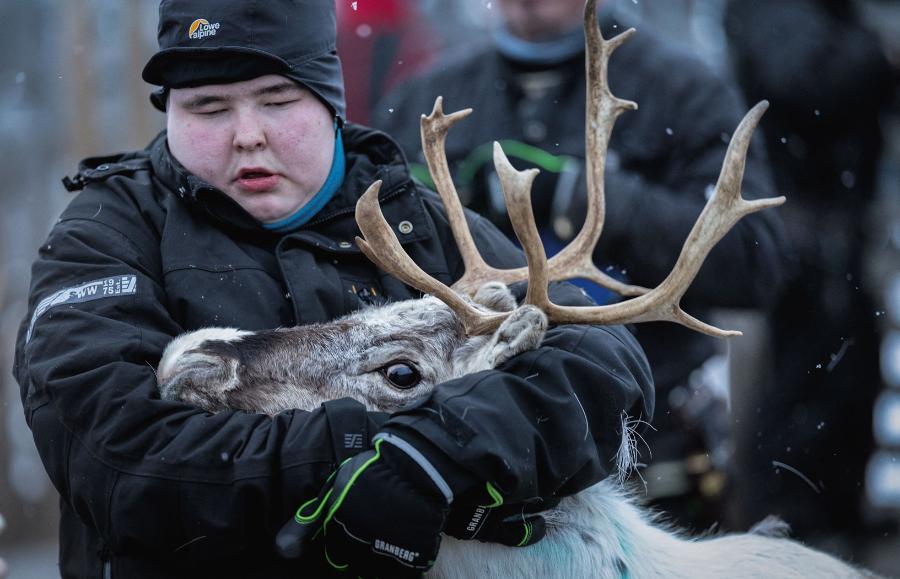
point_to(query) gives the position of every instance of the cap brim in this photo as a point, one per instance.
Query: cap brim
(161, 63)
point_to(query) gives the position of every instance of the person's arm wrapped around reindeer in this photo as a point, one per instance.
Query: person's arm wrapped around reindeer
(152, 479)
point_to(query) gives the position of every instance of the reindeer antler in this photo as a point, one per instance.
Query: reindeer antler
(391, 257)
(723, 209)
(601, 111)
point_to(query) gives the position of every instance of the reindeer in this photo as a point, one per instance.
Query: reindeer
(388, 356)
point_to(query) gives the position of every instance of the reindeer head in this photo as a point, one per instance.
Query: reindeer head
(385, 357)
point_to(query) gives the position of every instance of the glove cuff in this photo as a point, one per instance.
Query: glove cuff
(419, 458)
(446, 475)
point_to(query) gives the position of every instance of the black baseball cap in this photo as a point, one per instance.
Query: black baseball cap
(222, 41)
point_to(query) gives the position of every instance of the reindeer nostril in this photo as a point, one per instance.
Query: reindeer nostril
(402, 375)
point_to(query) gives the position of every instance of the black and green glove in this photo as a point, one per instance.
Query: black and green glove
(482, 515)
(381, 514)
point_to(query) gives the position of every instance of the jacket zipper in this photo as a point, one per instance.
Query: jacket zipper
(387, 196)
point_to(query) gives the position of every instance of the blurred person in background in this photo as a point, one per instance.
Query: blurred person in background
(527, 89)
(828, 80)
(240, 214)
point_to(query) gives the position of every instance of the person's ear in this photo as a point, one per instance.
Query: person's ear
(159, 98)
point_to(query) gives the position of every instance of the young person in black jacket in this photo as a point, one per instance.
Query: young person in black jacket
(527, 90)
(241, 214)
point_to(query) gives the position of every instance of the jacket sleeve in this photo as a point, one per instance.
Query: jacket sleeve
(547, 423)
(153, 477)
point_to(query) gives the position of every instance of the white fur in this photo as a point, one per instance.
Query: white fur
(178, 352)
(625, 542)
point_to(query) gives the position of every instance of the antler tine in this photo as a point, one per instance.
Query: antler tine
(390, 257)
(516, 187)
(602, 110)
(724, 208)
(434, 135)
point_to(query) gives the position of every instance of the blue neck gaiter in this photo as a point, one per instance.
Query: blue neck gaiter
(543, 53)
(331, 186)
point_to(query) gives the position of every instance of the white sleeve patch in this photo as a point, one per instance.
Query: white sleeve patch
(109, 287)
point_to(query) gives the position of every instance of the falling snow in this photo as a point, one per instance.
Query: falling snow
(848, 179)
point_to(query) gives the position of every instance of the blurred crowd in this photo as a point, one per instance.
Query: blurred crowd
(801, 417)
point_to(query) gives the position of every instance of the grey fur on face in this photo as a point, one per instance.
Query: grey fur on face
(304, 366)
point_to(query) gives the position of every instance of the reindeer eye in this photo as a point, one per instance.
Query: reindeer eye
(402, 375)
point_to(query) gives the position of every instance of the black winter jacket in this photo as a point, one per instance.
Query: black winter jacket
(153, 488)
(663, 158)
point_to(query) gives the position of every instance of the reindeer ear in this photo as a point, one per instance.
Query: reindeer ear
(496, 296)
(523, 330)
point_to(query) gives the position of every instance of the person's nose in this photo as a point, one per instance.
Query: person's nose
(249, 132)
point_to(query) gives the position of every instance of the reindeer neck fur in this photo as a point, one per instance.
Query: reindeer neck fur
(601, 533)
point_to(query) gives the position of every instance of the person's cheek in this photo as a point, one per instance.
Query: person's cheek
(210, 150)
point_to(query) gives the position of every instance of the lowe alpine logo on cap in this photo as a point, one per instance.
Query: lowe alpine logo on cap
(201, 28)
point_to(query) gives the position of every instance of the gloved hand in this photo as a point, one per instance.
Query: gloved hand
(381, 514)
(482, 515)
